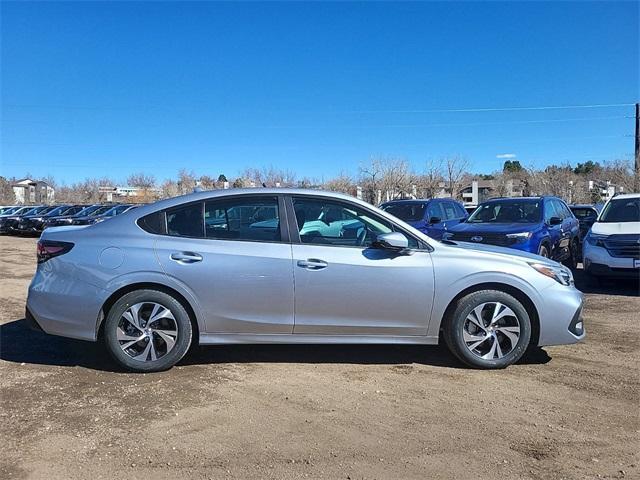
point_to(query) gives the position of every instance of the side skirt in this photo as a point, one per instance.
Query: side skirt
(238, 338)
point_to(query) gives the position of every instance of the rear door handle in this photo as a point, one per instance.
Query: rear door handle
(313, 264)
(186, 257)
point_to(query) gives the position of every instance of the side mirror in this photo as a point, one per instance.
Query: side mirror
(433, 220)
(555, 221)
(392, 241)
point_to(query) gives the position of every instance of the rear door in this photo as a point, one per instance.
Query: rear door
(343, 286)
(234, 254)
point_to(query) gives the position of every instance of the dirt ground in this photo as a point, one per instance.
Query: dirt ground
(336, 412)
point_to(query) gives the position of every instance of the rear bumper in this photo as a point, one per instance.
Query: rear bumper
(63, 305)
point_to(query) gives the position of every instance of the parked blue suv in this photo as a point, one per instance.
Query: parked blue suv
(432, 217)
(542, 225)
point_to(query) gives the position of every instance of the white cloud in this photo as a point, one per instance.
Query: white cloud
(506, 155)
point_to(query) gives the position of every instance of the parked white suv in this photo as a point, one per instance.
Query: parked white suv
(612, 246)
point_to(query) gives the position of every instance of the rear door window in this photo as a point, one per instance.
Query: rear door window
(254, 219)
(186, 221)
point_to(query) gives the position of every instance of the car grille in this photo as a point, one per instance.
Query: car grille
(490, 238)
(627, 246)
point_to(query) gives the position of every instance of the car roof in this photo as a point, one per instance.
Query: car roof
(625, 195)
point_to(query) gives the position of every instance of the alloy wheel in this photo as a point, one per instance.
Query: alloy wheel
(147, 331)
(491, 330)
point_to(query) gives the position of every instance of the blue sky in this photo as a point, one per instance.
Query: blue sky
(92, 89)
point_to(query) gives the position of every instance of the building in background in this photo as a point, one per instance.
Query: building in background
(130, 194)
(31, 192)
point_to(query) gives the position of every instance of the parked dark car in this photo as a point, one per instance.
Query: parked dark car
(67, 218)
(33, 224)
(432, 217)
(586, 215)
(9, 222)
(542, 225)
(8, 209)
(100, 216)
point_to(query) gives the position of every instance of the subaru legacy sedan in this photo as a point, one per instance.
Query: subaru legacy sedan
(291, 266)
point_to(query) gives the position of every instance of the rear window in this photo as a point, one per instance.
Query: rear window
(408, 212)
(584, 212)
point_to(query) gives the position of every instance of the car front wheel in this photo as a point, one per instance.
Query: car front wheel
(488, 329)
(147, 331)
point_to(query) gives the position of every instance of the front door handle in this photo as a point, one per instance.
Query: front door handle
(313, 264)
(186, 257)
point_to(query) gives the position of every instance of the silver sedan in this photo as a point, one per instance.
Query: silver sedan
(291, 266)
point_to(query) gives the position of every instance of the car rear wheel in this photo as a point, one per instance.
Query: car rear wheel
(488, 329)
(147, 331)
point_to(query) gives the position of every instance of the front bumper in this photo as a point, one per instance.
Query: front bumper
(597, 261)
(561, 316)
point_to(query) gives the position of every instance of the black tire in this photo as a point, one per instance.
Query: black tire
(455, 323)
(172, 356)
(543, 251)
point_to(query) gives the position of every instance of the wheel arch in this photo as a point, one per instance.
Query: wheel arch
(113, 298)
(515, 292)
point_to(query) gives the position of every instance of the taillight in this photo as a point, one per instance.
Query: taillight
(47, 249)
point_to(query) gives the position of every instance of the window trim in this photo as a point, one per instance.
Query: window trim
(284, 230)
(295, 233)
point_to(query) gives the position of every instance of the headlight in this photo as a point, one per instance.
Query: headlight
(595, 239)
(519, 237)
(560, 274)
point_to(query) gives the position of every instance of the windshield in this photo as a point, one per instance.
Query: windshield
(117, 210)
(87, 211)
(7, 211)
(508, 212)
(409, 212)
(621, 210)
(101, 210)
(57, 211)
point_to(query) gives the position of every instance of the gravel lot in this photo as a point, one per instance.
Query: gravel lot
(338, 412)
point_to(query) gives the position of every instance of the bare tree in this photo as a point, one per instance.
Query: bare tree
(343, 183)
(186, 181)
(428, 183)
(455, 168)
(7, 195)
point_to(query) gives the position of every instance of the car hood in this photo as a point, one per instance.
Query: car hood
(503, 251)
(503, 228)
(604, 228)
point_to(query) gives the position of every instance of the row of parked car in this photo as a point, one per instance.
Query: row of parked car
(33, 219)
(606, 239)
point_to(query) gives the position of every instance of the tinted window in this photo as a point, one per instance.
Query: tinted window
(185, 221)
(247, 218)
(622, 210)
(584, 212)
(153, 223)
(507, 212)
(408, 212)
(461, 211)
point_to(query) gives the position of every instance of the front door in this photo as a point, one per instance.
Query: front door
(344, 286)
(230, 253)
